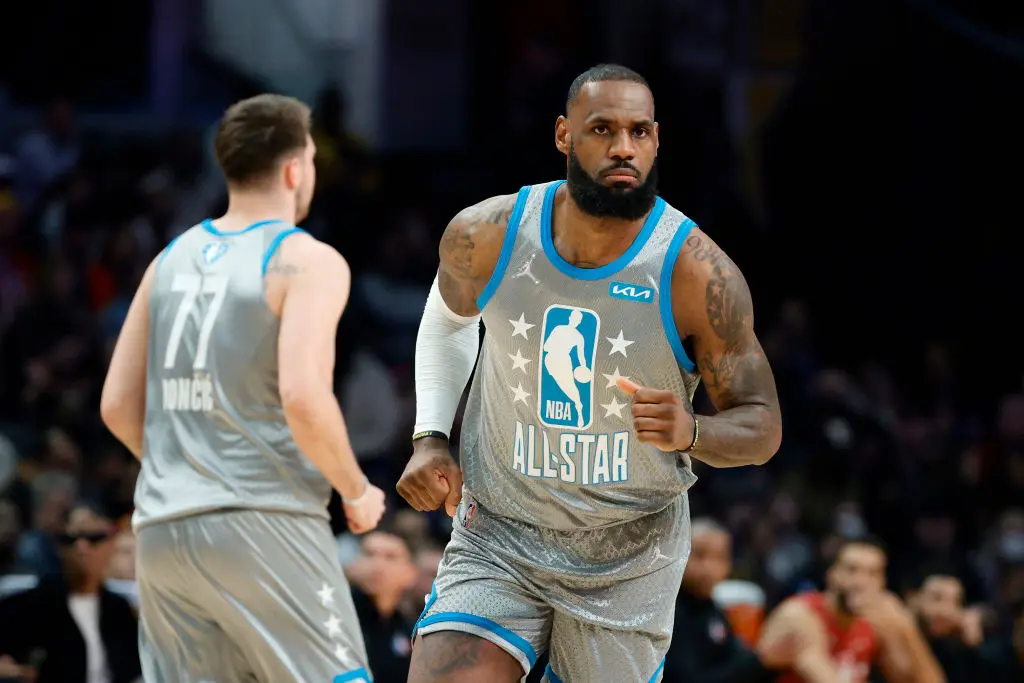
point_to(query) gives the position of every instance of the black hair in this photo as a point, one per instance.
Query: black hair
(601, 73)
(915, 580)
(863, 539)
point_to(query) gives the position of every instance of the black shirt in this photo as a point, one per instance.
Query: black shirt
(1000, 663)
(705, 650)
(38, 621)
(388, 642)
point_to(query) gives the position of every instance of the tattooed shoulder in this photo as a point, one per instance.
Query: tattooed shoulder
(279, 265)
(494, 212)
(470, 249)
(472, 241)
(727, 300)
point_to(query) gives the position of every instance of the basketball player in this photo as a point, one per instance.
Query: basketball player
(572, 531)
(851, 626)
(221, 384)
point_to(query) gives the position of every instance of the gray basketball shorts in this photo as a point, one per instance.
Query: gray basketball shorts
(244, 595)
(600, 601)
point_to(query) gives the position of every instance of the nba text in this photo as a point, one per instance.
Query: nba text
(193, 394)
(574, 458)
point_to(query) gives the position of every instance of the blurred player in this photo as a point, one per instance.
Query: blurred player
(573, 529)
(854, 624)
(221, 384)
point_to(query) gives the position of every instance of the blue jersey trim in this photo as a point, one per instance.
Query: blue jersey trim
(269, 253)
(665, 295)
(607, 270)
(506, 249)
(552, 676)
(208, 227)
(163, 254)
(358, 674)
(511, 638)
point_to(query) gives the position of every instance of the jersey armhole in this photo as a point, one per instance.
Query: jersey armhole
(668, 321)
(274, 245)
(506, 249)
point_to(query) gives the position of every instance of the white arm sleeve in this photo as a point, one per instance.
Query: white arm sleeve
(446, 351)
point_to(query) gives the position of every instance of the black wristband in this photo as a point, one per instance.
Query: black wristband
(430, 433)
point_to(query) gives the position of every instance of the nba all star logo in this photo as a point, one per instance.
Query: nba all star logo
(568, 348)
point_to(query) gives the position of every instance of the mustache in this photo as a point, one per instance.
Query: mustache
(620, 165)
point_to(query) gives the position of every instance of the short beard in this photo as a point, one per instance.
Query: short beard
(600, 201)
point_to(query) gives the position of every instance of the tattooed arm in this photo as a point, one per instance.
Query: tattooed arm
(469, 252)
(447, 347)
(713, 308)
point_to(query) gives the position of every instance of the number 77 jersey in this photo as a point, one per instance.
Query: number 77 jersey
(215, 431)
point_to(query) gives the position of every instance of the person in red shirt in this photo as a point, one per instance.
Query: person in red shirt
(849, 627)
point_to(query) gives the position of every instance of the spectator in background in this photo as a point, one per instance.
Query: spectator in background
(120, 576)
(1003, 659)
(122, 564)
(71, 629)
(11, 579)
(380, 579)
(392, 293)
(704, 649)
(13, 280)
(44, 155)
(53, 494)
(952, 631)
(428, 559)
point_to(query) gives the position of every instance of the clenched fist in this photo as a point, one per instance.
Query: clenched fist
(431, 477)
(364, 513)
(659, 417)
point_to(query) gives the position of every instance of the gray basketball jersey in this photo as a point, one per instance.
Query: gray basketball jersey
(548, 437)
(215, 433)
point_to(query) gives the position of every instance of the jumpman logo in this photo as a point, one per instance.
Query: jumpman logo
(525, 271)
(558, 349)
(658, 555)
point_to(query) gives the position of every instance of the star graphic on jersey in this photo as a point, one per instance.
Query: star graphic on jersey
(613, 407)
(519, 394)
(613, 378)
(333, 626)
(619, 344)
(326, 595)
(520, 326)
(518, 361)
(341, 652)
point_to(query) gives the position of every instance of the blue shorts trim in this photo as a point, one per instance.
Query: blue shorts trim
(357, 675)
(506, 635)
(552, 676)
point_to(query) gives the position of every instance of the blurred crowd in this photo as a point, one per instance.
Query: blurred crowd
(82, 214)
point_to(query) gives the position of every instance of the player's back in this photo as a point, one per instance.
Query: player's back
(215, 430)
(852, 646)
